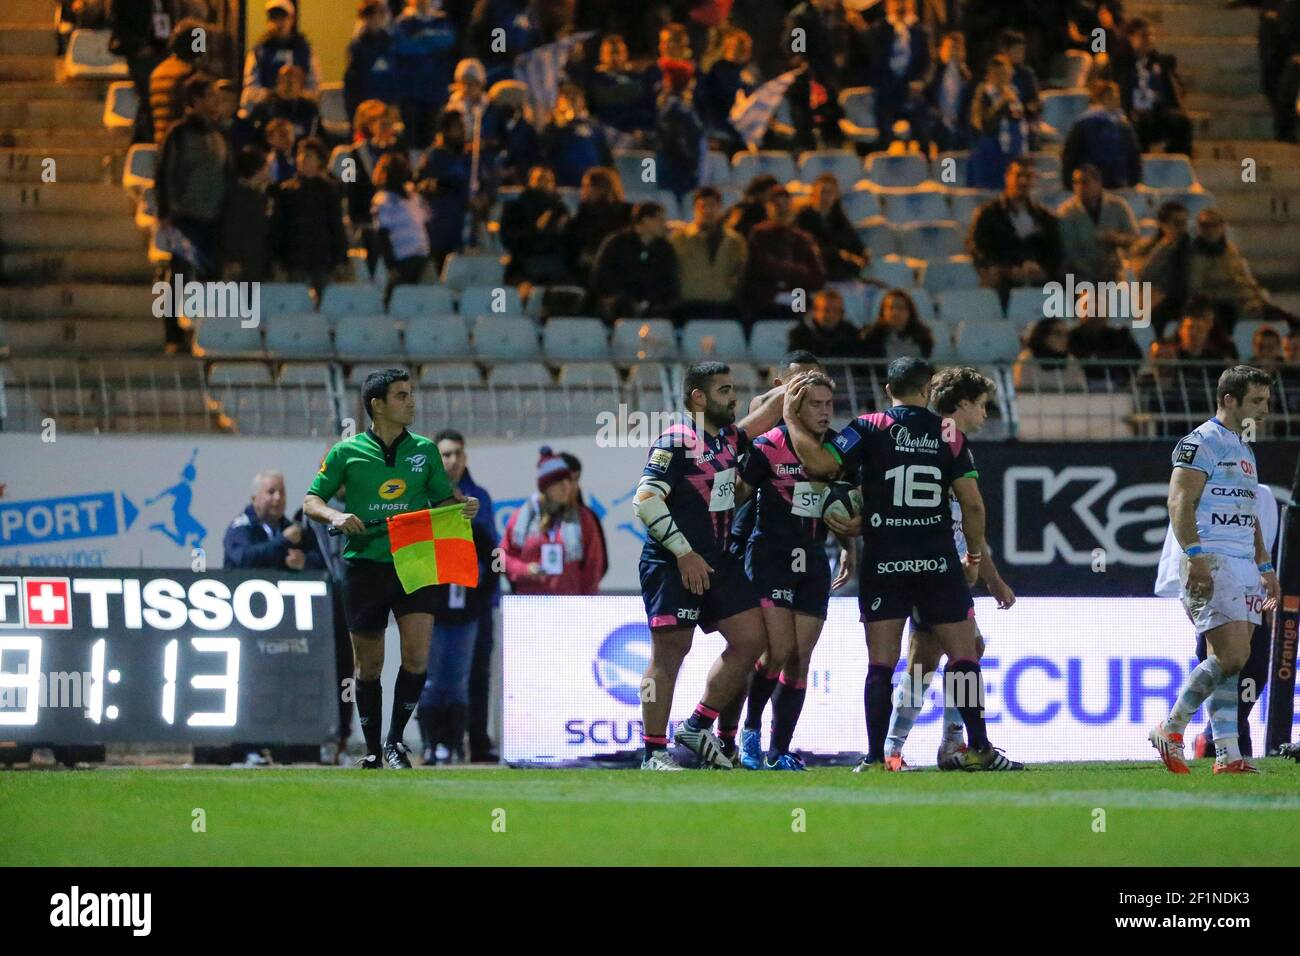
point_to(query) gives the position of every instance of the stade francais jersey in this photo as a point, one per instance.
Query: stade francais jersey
(906, 468)
(1225, 515)
(381, 482)
(700, 470)
(789, 502)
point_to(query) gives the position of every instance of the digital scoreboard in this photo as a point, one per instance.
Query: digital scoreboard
(99, 656)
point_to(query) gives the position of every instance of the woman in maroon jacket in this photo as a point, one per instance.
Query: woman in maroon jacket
(551, 547)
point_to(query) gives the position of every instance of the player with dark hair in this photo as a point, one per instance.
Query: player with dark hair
(685, 499)
(961, 395)
(385, 470)
(907, 459)
(1212, 495)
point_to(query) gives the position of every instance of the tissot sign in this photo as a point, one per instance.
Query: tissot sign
(1061, 512)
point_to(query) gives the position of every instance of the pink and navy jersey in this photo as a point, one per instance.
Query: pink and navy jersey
(700, 471)
(789, 501)
(905, 461)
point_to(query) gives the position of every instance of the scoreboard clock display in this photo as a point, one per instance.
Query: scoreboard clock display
(100, 656)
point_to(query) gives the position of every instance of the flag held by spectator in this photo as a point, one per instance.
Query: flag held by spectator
(434, 546)
(752, 115)
(540, 71)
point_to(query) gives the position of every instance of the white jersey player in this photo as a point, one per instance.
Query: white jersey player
(1212, 510)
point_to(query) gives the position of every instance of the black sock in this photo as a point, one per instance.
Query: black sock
(729, 716)
(370, 712)
(727, 737)
(653, 744)
(966, 693)
(406, 694)
(703, 717)
(877, 703)
(760, 692)
(787, 704)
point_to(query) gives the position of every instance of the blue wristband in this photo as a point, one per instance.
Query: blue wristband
(1266, 567)
(1193, 550)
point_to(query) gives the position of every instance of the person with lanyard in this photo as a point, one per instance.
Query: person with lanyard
(552, 546)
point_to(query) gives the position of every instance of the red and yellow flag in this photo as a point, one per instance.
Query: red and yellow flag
(434, 546)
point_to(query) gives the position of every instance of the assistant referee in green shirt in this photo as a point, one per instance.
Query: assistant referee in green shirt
(384, 471)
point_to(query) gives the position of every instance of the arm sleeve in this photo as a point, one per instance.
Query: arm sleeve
(1196, 452)
(241, 552)
(330, 476)
(848, 447)
(756, 468)
(962, 464)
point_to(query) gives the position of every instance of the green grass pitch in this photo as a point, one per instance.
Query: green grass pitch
(496, 816)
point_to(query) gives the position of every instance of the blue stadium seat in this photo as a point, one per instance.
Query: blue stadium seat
(628, 162)
(1243, 335)
(497, 338)
(969, 305)
(462, 270)
(1138, 199)
(304, 374)
(88, 57)
(859, 204)
(892, 271)
(228, 337)
(922, 240)
(859, 122)
(986, 341)
(770, 340)
(943, 335)
(240, 373)
(1166, 171)
(1025, 306)
(746, 165)
(589, 375)
(299, 336)
(859, 300)
(285, 298)
(451, 375)
(909, 169)
(717, 170)
(966, 203)
(414, 301)
(575, 339)
(915, 205)
(643, 340)
(720, 339)
(844, 164)
(949, 168)
(525, 374)
(878, 235)
(924, 303)
(367, 337)
(481, 299)
(334, 112)
(1061, 108)
(430, 338)
(1048, 166)
(346, 300)
(120, 105)
(141, 165)
(955, 272)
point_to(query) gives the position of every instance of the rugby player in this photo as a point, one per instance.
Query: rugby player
(907, 461)
(787, 563)
(686, 499)
(1212, 495)
(960, 395)
(384, 470)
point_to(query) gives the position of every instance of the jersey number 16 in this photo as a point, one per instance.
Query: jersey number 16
(911, 487)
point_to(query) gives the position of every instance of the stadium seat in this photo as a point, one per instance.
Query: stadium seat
(1048, 166)
(943, 347)
(1139, 200)
(146, 209)
(589, 375)
(643, 340)
(979, 342)
(285, 298)
(1244, 332)
(746, 165)
(1167, 171)
(746, 380)
(629, 163)
(1144, 335)
(304, 374)
(908, 169)
(482, 299)
(966, 203)
(858, 104)
(878, 235)
(954, 272)
(1051, 195)
(1025, 306)
(451, 374)
(770, 340)
(299, 336)
(347, 300)
(239, 373)
(120, 105)
(717, 170)
(859, 204)
(912, 205)
(969, 305)
(141, 164)
(497, 338)
(1061, 108)
(844, 164)
(949, 168)
(334, 112)
(430, 338)
(462, 270)
(720, 339)
(413, 301)
(569, 339)
(921, 240)
(528, 374)
(892, 271)
(859, 302)
(1070, 68)
(88, 57)
(367, 336)
(228, 337)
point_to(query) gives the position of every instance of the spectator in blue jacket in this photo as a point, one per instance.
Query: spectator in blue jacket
(425, 41)
(371, 73)
(510, 144)
(998, 122)
(899, 63)
(1103, 136)
(573, 143)
(679, 130)
(262, 537)
(288, 102)
(1013, 45)
(948, 96)
(281, 45)
(1152, 93)
(716, 91)
(444, 182)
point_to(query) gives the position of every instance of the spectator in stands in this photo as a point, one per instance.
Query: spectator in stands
(246, 220)
(371, 71)
(551, 547)
(281, 45)
(635, 273)
(572, 143)
(287, 102)
(309, 237)
(1107, 64)
(510, 142)
(948, 96)
(898, 63)
(283, 152)
(166, 83)
(618, 95)
(678, 130)
(1103, 137)
(232, 124)
(469, 96)
(709, 23)
(835, 43)
(674, 46)
(752, 208)
(1217, 270)
(376, 129)
(532, 231)
(1013, 46)
(141, 30)
(1096, 226)
(425, 40)
(262, 537)
(842, 253)
(1163, 260)
(1014, 240)
(1266, 349)
(1152, 93)
(710, 260)
(1095, 342)
(782, 258)
(824, 330)
(517, 23)
(444, 181)
(898, 331)
(601, 212)
(1200, 339)
(716, 93)
(1045, 363)
(998, 124)
(401, 220)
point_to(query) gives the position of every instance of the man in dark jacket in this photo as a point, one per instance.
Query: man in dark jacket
(899, 63)
(1103, 137)
(824, 330)
(782, 258)
(371, 73)
(532, 230)
(141, 31)
(309, 238)
(262, 537)
(194, 172)
(1152, 93)
(1015, 241)
(635, 272)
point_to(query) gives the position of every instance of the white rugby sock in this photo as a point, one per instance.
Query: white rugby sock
(1195, 691)
(909, 696)
(1223, 720)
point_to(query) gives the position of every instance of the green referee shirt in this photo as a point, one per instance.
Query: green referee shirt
(381, 481)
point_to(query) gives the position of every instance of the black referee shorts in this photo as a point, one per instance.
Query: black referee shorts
(374, 591)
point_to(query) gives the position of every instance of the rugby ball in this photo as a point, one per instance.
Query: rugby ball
(843, 500)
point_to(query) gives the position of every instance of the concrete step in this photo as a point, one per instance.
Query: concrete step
(52, 90)
(1202, 102)
(52, 138)
(64, 114)
(28, 39)
(78, 300)
(21, 67)
(31, 338)
(1243, 207)
(105, 199)
(30, 11)
(99, 265)
(1227, 83)
(70, 165)
(1184, 18)
(60, 231)
(1243, 125)
(1276, 273)
(1267, 239)
(1236, 54)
